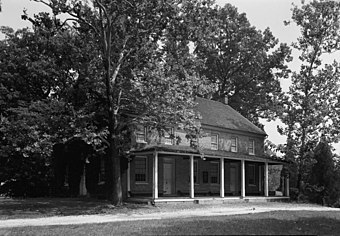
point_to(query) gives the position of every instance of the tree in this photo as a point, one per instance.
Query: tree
(127, 34)
(311, 107)
(242, 62)
(324, 175)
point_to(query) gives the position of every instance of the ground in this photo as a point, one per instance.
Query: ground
(93, 217)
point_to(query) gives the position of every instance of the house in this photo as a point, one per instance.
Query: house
(229, 163)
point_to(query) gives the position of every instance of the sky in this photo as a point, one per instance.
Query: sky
(260, 13)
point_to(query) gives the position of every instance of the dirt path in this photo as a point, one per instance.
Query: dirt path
(213, 210)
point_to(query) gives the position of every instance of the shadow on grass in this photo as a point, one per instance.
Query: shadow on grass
(43, 207)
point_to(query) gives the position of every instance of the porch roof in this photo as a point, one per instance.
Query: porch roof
(187, 150)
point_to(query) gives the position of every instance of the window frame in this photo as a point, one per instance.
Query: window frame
(236, 144)
(146, 170)
(213, 147)
(139, 132)
(251, 143)
(168, 137)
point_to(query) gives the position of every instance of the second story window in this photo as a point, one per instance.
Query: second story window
(214, 141)
(141, 135)
(251, 147)
(168, 137)
(234, 144)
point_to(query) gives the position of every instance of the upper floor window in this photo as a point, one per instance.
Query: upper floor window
(234, 144)
(168, 137)
(214, 141)
(251, 147)
(141, 169)
(141, 135)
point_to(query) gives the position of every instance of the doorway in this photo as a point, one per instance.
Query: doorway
(168, 176)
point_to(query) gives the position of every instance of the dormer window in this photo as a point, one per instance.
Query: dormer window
(214, 141)
(141, 135)
(234, 144)
(168, 136)
(251, 147)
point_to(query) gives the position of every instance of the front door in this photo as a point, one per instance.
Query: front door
(167, 178)
(232, 179)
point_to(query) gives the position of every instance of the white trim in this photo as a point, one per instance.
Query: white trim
(266, 179)
(252, 142)
(222, 177)
(139, 132)
(236, 144)
(217, 141)
(192, 189)
(243, 179)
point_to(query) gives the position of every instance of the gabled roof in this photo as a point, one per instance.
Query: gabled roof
(223, 116)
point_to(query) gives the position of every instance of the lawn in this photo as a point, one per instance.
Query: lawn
(278, 222)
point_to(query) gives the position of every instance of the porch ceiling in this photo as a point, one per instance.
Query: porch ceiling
(188, 151)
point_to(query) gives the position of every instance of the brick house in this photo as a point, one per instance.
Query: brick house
(230, 160)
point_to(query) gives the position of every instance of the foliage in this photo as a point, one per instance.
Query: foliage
(322, 184)
(243, 63)
(311, 107)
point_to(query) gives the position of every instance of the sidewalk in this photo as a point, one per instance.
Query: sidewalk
(209, 211)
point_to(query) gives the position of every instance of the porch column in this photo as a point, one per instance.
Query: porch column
(266, 179)
(287, 186)
(192, 184)
(243, 179)
(222, 177)
(128, 180)
(155, 176)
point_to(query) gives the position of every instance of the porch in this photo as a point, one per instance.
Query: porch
(206, 200)
(177, 178)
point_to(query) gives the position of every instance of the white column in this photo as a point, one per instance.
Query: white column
(192, 184)
(266, 179)
(129, 179)
(287, 186)
(155, 176)
(243, 179)
(222, 177)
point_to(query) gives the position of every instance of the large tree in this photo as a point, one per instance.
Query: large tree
(129, 37)
(311, 109)
(244, 63)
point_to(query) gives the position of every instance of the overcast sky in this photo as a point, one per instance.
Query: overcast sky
(260, 13)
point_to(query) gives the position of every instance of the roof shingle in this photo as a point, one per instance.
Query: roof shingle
(221, 115)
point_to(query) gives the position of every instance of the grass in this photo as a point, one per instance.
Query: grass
(279, 222)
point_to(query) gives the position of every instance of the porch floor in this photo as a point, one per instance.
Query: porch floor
(205, 200)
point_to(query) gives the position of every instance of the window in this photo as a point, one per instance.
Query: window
(251, 174)
(214, 172)
(141, 135)
(214, 141)
(140, 169)
(205, 177)
(168, 136)
(251, 147)
(234, 144)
